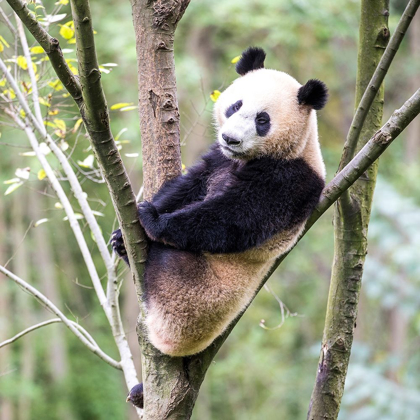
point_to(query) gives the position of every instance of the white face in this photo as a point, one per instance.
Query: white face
(259, 114)
(244, 131)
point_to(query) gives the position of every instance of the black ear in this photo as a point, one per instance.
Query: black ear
(251, 59)
(314, 94)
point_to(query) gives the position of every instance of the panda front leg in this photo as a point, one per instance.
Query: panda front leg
(219, 225)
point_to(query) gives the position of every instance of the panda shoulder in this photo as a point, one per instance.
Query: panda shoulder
(285, 174)
(215, 158)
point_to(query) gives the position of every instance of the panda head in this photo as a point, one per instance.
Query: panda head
(266, 112)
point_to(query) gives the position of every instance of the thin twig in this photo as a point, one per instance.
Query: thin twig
(34, 84)
(7, 21)
(110, 304)
(48, 304)
(45, 323)
(28, 330)
(54, 182)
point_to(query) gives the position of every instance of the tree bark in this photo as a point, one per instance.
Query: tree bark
(351, 219)
(155, 24)
(171, 385)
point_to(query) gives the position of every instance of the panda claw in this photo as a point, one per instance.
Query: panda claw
(117, 243)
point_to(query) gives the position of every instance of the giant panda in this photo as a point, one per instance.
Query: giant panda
(216, 231)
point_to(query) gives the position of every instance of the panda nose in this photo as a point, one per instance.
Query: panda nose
(230, 141)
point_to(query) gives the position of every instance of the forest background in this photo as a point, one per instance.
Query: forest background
(259, 372)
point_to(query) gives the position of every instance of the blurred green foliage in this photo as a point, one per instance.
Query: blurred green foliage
(258, 374)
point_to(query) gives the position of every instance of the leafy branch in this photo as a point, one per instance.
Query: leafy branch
(109, 301)
(51, 46)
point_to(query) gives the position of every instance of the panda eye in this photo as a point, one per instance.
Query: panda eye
(262, 118)
(262, 123)
(233, 108)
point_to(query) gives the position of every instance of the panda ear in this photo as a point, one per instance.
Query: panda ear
(314, 94)
(251, 59)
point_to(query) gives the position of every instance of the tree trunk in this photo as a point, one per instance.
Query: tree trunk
(154, 24)
(170, 384)
(351, 219)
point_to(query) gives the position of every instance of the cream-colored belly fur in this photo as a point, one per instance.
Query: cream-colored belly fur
(205, 293)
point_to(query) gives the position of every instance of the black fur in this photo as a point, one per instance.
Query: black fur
(117, 243)
(251, 59)
(254, 201)
(233, 108)
(191, 187)
(314, 93)
(135, 396)
(262, 123)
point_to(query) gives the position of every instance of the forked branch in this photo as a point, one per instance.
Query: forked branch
(49, 305)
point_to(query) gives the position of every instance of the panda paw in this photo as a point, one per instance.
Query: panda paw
(150, 220)
(117, 243)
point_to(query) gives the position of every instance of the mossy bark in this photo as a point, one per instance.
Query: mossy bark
(351, 220)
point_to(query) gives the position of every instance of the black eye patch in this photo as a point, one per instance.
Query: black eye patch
(233, 108)
(262, 123)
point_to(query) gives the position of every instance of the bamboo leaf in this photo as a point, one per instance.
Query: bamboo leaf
(128, 108)
(77, 125)
(120, 105)
(37, 50)
(11, 181)
(13, 187)
(87, 163)
(23, 173)
(40, 222)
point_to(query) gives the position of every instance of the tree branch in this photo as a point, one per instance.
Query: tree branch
(55, 183)
(110, 303)
(7, 21)
(28, 330)
(43, 324)
(376, 81)
(48, 304)
(94, 112)
(351, 222)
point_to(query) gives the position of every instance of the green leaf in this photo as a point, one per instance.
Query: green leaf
(40, 222)
(120, 105)
(13, 187)
(128, 108)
